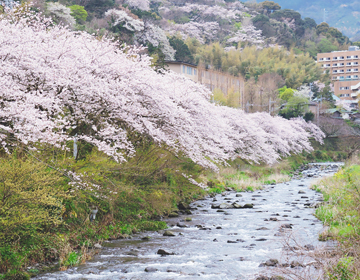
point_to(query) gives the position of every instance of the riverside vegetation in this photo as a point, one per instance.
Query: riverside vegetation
(142, 147)
(341, 215)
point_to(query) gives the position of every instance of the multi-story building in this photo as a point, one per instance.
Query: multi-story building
(343, 66)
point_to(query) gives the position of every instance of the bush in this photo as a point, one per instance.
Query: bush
(28, 187)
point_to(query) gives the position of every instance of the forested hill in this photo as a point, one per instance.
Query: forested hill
(231, 23)
(342, 14)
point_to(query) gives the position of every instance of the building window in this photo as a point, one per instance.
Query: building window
(335, 58)
(355, 63)
(195, 71)
(341, 64)
(341, 71)
(348, 57)
(183, 68)
(335, 71)
(355, 56)
(189, 70)
(348, 70)
(344, 88)
(341, 57)
(356, 70)
(348, 63)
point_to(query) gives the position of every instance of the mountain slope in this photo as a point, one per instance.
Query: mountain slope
(341, 14)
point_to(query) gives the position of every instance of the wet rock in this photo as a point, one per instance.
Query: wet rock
(297, 217)
(215, 240)
(168, 233)
(240, 240)
(205, 228)
(146, 238)
(227, 198)
(173, 215)
(183, 206)
(237, 206)
(261, 239)
(238, 195)
(220, 211)
(215, 206)
(256, 195)
(294, 264)
(164, 253)
(301, 192)
(262, 228)
(225, 206)
(309, 247)
(188, 219)
(304, 197)
(218, 227)
(181, 225)
(248, 205)
(286, 225)
(97, 246)
(271, 262)
(151, 269)
(274, 219)
(188, 212)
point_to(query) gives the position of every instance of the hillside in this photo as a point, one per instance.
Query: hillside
(342, 14)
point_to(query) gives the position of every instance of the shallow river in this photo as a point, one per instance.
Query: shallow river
(217, 243)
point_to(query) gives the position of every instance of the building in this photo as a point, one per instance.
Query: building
(212, 79)
(343, 66)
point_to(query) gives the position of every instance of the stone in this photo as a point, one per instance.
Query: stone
(220, 211)
(218, 227)
(173, 215)
(215, 240)
(164, 253)
(188, 219)
(183, 206)
(225, 206)
(301, 192)
(272, 262)
(294, 264)
(261, 239)
(262, 228)
(181, 225)
(168, 233)
(274, 219)
(286, 226)
(309, 247)
(238, 195)
(97, 246)
(237, 206)
(188, 212)
(151, 269)
(146, 238)
(248, 206)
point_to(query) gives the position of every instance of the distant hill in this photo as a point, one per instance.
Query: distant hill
(341, 14)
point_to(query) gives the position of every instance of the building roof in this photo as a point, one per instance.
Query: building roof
(180, 62)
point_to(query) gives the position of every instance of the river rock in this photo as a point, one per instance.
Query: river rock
(238, 195)
(97, 246)
(151, 269)
(183, 206)
(220, 211)
(168, 233)
(225, 206)
(173, 215)
(237, 206)
(188, 219)
(271, 262)
(294, 264)
(262, 228)
(164, 253)
(181, 225)
(146, 238)
(301, 192)
(286, 226)
(248, 205)
(261, 239)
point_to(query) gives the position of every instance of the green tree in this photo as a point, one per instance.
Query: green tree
(270, 6)
(182, 50)
(79, 13)
(322, 28)
(295, 107)
(286, 93)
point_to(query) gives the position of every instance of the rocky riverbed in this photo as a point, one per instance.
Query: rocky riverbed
(232, 235)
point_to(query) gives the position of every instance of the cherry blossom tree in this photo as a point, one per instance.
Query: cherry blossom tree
(57, 83)
(248, 34)
(139, 4)
(123, 18)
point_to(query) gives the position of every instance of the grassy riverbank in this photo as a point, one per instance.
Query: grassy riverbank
(131, 197)
(341, 214)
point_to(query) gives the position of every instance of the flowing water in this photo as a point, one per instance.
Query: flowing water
(217, 243)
